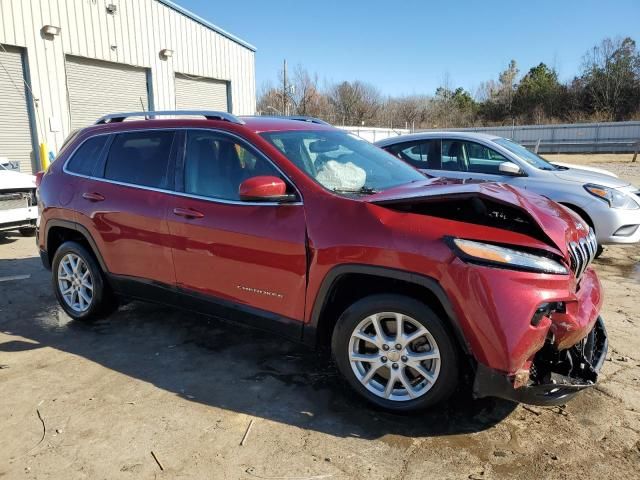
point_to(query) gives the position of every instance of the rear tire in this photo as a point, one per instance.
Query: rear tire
(599, 251)
(422, 362)
(79, 283)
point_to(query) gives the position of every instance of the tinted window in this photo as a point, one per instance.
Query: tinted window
(140, 158)
(423, 154)
(84, 160)
(453, 158)
(216, 165)
(482, 159)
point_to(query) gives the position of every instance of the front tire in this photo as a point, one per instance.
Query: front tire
(27, 231)
(79, 283)
(396, 352)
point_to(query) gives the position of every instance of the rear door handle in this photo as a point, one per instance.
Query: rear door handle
(93, 196)
(187, 213)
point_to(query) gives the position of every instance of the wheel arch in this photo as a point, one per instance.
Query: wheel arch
(580, 211)
(59, 231)
(332, 298)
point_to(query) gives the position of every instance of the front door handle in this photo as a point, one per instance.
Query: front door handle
(93, 196)
(187, 213)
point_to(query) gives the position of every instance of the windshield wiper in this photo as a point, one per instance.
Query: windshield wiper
(361, 190)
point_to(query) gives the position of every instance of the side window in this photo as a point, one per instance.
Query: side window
(215, 165)
(482, 159)
(423, 154)
(140, 158)
(453, 156)
(85, 159)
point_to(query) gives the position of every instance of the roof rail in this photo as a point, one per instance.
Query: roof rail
(208, 114)
(301, 118)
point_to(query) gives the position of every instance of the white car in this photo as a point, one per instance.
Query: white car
(18, 204)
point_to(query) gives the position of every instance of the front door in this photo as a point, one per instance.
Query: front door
(247, 256)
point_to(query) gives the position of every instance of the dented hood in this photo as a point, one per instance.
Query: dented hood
(557, 223)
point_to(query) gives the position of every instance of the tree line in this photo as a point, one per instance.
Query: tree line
(607, 88)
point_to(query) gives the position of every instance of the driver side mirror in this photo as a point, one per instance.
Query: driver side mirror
(264, 189)
(510, 168)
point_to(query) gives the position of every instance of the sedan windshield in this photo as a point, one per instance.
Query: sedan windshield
(528, 156)
(342, 162)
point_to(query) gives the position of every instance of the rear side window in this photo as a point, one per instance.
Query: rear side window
(423, 154)
(85, 159)
(140, 158)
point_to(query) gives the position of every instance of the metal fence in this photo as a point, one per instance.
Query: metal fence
(613, 137)
(373, 134)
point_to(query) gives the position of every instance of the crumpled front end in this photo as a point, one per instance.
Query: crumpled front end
(554, 376)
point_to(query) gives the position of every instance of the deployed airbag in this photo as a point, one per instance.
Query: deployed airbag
(341, 176)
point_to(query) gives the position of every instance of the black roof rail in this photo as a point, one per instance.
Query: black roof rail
(300, 118)
(208, 114)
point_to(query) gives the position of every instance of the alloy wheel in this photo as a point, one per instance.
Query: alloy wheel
(394, 356)
(75, 282)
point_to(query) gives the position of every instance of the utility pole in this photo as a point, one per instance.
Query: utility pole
(284, 88)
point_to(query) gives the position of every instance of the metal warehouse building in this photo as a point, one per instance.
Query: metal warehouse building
(65, 63)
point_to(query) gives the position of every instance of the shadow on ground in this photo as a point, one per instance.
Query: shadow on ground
(219, 364)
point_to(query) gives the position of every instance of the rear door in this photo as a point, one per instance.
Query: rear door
(248, 256)
(123, 199)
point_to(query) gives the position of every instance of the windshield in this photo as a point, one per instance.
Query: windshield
(342, 162)
(528, 156)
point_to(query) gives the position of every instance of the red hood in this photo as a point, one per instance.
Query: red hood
(555, 220)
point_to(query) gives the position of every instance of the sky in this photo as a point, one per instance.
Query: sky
(409, 47)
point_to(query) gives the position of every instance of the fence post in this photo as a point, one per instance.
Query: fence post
(535, 150)
(635, 153)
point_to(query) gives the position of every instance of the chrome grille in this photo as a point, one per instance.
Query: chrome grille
(582, 253)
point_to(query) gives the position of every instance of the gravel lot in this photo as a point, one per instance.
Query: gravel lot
(94, 401)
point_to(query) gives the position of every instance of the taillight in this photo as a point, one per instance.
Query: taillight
(39, 176)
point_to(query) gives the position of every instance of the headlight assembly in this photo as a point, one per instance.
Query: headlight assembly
(497, 256)
(615, 198)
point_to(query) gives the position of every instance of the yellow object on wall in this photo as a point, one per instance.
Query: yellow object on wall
(44, 159)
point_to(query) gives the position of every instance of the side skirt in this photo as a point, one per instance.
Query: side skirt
(156, 292)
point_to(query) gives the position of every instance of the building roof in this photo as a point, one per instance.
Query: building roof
(207, 24)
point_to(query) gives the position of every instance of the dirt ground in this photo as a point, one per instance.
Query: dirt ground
(94, 401)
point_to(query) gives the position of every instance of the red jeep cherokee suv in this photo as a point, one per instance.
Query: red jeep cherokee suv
(293, 225)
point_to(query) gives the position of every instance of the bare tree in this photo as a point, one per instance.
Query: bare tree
(610, 73)
(355, 103)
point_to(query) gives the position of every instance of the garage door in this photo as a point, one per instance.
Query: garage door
(199, 93)
(15, 134)
(97, 88)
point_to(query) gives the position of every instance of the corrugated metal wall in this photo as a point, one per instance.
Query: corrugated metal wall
(15, 141)
(134, 35)
(571, 138)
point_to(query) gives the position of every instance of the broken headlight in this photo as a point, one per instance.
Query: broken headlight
(504, 257)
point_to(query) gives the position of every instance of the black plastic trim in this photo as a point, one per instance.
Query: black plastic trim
(310, 332)
(174, 296)
(78, 228)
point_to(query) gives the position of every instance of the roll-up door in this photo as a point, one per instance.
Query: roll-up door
(97, 88)
(199, 93)
(15, 131)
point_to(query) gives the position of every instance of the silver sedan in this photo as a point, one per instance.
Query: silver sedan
(608, 204)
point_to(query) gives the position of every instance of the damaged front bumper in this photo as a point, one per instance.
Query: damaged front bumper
(555, 376)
